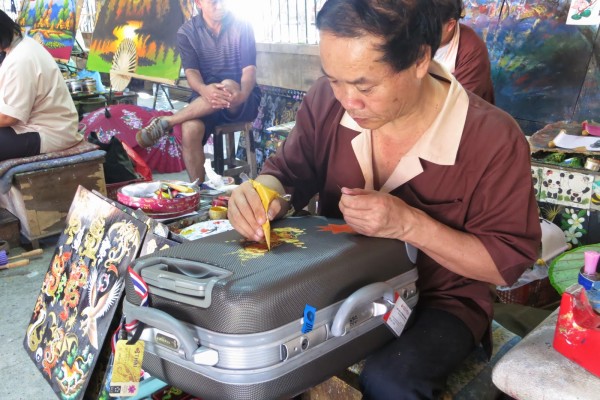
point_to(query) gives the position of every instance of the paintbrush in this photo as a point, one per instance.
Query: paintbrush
(4, 260)
(30, 254)
(15, 264)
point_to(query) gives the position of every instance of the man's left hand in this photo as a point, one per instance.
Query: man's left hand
(236, 97)
(376, 214)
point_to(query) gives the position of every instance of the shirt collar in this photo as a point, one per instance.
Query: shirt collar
(438, 144)
(446, 55)
(16, 40)
(225, 22)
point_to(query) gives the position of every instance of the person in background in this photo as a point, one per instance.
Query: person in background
(37, 113)
(463, 52)
(218, 54)
(394, 145)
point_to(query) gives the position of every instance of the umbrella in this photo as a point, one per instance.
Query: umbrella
(564, 269)
(123, 121)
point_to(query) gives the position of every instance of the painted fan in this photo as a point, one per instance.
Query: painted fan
(125, 61)
(124, 121)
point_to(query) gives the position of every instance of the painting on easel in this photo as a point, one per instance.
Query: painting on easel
(138, 38)
(52, 23)
(81, 291)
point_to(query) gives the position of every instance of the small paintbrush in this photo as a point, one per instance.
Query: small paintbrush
(15, 264)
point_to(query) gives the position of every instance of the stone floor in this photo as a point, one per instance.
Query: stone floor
(19, 288)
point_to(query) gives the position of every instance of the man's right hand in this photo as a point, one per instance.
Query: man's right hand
(217, 95)
(247, 214)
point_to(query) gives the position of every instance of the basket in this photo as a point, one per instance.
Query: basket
(159, 207)
(538, 293)
(113, 188)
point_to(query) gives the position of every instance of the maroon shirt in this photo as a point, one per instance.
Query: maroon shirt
(472, 68)
(487, 192)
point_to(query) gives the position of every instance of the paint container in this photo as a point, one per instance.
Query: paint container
(75, 85)
(221, 201)
(89, 85)
(91, 104)
(589, 278)
(590, 262)
(217, 212)
(591, 284)
(592, 164)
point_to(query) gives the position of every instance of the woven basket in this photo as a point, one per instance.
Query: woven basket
(538, 293)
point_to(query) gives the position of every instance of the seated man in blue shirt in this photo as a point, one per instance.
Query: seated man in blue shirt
(218, 54)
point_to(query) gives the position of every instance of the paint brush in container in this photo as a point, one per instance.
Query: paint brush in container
(30, 254)
(4, 264)
(5, 260)
(15, 264)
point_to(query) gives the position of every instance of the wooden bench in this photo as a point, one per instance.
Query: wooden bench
(41, 188)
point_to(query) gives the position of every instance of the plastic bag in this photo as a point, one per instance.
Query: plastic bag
(117, 164)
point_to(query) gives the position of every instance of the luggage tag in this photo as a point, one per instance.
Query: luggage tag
(127, 368)
(309, 318)
(396, 318)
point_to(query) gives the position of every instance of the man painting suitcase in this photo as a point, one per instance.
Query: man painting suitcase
(230, 320)
(394, 145)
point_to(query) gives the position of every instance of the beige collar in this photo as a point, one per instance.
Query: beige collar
(438, 144)
(447, 54)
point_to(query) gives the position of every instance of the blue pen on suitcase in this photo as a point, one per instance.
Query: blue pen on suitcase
(309, 318)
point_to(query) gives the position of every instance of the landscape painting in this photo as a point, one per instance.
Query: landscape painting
(138, 37)
(534, 81)
(52, 24)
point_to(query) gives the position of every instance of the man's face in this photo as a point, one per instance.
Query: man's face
(213, 10)
(370, 90)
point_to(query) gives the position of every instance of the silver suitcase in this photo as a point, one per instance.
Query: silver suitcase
(226, 321)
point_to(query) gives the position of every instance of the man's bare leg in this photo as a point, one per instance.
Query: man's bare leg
(197, 109)
(193, 132)
(200, 107)
(159, 127)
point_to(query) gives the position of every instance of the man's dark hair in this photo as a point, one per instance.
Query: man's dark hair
(8, 29)
(450, 9)
(408, 27)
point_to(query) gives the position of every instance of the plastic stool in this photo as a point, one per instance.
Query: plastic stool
(232, 166)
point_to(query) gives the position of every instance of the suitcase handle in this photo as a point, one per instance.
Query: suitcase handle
(185, 281)
(161, 320)
(364, 295)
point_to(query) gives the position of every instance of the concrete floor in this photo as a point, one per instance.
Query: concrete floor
(19, 288)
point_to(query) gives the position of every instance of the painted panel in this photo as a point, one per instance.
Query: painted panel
(81, 291)
(51, 23)
(539, 63)
(138, 36)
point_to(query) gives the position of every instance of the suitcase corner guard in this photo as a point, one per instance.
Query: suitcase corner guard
(200, 355)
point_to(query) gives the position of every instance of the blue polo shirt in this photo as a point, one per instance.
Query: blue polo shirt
(217, 57)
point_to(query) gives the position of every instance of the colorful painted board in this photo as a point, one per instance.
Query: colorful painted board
(277, 106)
(53, 24)
(80, 292)
(543, 70)
(138, 37)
